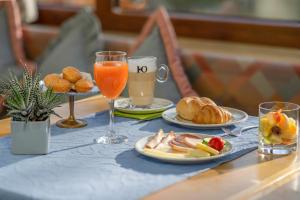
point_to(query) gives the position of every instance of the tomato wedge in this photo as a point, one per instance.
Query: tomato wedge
(216, 143)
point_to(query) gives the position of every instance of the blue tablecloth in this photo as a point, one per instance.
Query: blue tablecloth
(78, 169)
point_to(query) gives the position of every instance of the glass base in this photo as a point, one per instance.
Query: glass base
(116, 139)
(71, 123)
(277, 149)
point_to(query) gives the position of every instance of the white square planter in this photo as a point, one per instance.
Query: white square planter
(30, 137)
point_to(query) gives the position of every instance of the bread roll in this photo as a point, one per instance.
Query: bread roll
(71, 74)
(83, 85)
(57, 83)
(51, 79)
(62, 86)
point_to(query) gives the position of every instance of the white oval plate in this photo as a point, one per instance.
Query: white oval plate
(139, 147)
(238, 116)
(158, 105)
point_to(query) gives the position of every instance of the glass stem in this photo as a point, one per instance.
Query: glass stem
(111, 131)
(71, 105)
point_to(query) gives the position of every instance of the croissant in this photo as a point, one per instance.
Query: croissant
(206, 100)
(227, 114)
(202, 110)
(211, 114)
(188, 107)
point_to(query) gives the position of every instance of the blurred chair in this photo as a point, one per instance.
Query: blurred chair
(12, 56)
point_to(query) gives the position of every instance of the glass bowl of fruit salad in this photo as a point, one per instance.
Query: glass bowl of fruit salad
(278, 127)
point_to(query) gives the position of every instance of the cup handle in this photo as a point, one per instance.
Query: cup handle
(163, 73)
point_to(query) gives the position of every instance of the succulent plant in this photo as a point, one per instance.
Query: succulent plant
(25, 100)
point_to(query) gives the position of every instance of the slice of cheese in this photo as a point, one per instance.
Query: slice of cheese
(206, 148)
(198, 153)
(159, 153)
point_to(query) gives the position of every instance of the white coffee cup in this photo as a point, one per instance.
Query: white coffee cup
(143, 73)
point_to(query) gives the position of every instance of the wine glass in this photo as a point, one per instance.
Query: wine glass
(111, 74)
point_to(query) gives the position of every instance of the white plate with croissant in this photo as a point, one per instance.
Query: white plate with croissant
(203, 113)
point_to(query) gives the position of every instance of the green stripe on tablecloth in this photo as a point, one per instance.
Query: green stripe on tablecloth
(138, 116)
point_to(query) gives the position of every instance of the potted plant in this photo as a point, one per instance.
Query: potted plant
(30, 108)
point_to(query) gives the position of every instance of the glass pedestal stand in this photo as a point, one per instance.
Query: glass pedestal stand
(71, 121)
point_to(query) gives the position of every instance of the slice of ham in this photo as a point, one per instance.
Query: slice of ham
(155, 140)
(191, 142)
(180, 144)
(181, 138)
(168, 138)
(165, 141)
(177, 146)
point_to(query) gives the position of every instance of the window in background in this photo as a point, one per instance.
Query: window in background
(264, 22)
(76, 3)
(261, 9)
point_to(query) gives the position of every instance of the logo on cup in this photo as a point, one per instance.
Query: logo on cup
(142, 69)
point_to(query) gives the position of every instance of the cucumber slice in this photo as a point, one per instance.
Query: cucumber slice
(206, 140)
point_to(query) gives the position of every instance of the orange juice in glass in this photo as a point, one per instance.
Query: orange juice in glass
(111, 74)
(111, 77)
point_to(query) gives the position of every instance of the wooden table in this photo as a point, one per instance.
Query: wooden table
(250, 177)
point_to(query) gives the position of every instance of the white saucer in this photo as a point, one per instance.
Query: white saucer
(158, 105)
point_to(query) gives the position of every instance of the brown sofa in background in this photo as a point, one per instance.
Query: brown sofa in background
(235, 81)
(231, 80)
(37, 37)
